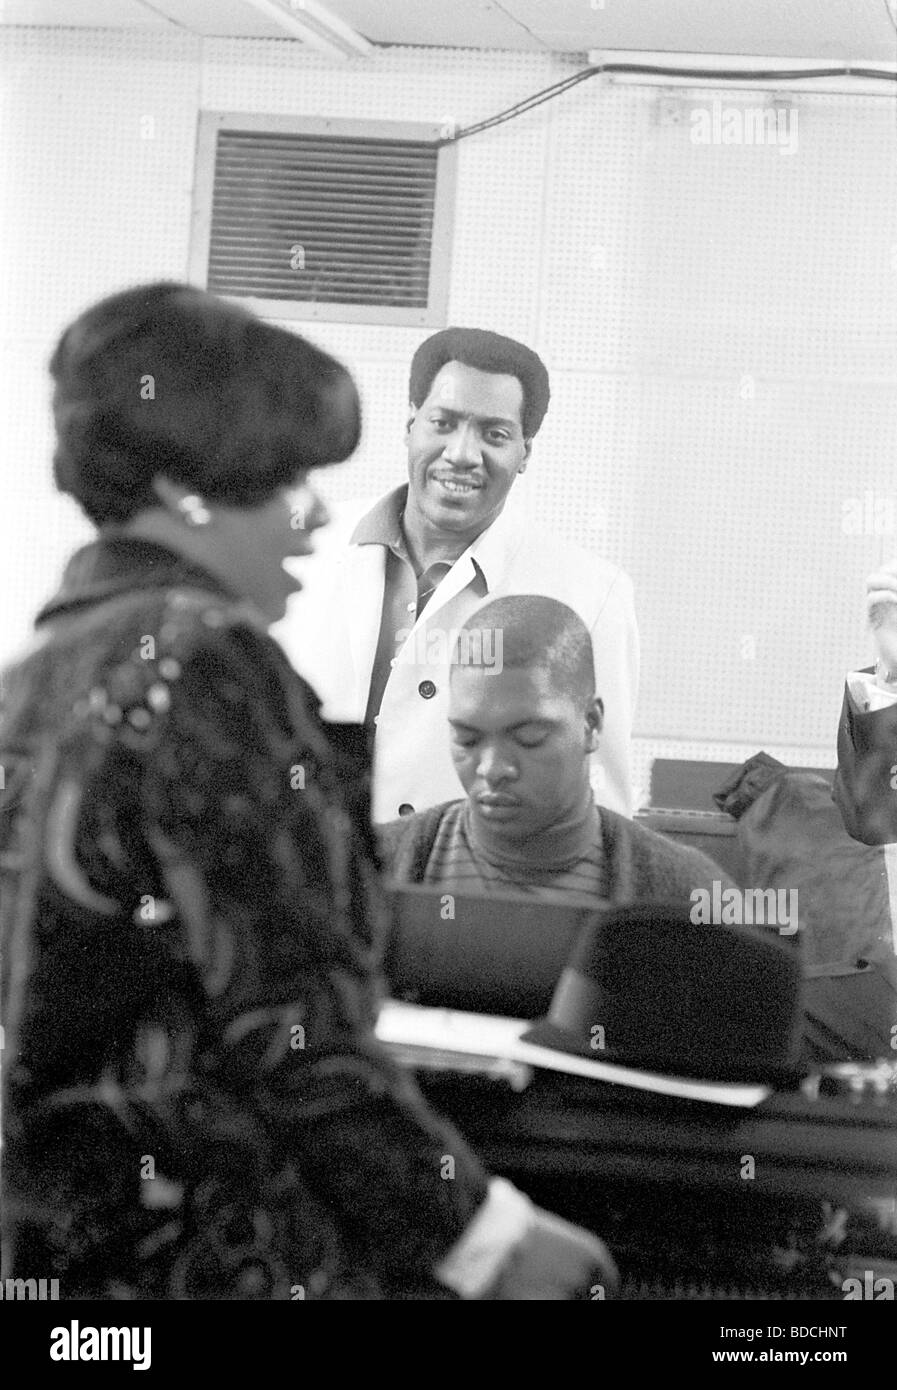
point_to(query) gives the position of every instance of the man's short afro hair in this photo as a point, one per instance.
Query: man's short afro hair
(487, 352)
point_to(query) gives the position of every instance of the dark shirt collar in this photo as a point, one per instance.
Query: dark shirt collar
(382, 525)
(116, 563)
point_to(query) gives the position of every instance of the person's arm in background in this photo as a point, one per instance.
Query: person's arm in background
(865, 786)
(244, 795)
(615, 641)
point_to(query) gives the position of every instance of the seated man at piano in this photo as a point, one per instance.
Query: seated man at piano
(524, 719)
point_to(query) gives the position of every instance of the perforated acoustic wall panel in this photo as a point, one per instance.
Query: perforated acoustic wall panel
(766, 328)
(96, 147)
(719, 318)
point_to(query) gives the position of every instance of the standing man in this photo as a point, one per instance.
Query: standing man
(374, 628)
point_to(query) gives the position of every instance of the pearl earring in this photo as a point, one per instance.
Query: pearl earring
(194, 511)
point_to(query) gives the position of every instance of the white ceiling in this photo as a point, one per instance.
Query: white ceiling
(832, 29)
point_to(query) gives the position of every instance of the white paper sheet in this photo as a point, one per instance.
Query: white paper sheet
(485, 1035)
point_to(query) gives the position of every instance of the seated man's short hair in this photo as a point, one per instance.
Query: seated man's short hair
(537, 633)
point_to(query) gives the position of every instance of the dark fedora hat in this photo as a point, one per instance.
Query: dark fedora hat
(646, 988)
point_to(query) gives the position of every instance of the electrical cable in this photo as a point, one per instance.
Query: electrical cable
(720, 74)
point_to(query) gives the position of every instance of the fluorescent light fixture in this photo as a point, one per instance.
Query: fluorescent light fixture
(330, 26)
(316, 26)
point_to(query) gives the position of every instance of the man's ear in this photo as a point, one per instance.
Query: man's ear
(594, 721)
(412, 416)
(527, 450)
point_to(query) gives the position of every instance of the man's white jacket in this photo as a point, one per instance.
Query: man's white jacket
(330, 635)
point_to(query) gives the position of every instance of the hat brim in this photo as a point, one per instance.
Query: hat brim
(770, 1071)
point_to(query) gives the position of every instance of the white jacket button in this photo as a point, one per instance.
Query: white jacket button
(426, 689)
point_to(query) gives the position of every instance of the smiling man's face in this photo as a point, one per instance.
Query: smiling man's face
(465, 448)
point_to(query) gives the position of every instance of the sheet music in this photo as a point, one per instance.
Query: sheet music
(453, 1031)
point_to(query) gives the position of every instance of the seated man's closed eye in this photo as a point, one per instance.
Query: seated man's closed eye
(521, 731)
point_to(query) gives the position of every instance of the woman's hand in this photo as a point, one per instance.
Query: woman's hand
(881, 591)
(557, 1261)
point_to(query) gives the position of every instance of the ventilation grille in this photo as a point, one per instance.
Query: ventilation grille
(321, 219)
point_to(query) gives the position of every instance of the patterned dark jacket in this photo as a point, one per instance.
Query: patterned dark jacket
(195, 1106)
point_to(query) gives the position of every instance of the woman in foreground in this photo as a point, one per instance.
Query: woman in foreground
(195, 1106)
